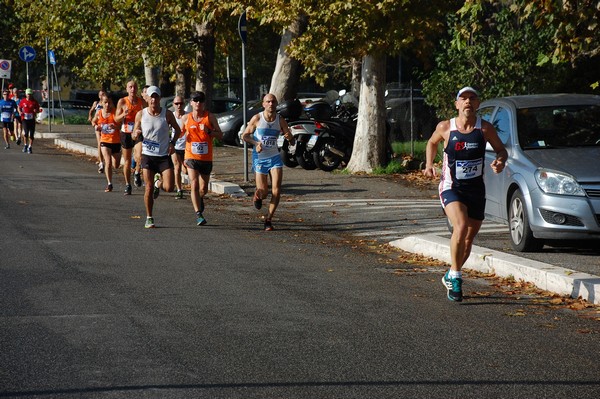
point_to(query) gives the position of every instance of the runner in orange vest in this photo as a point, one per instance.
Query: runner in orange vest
(200, 127)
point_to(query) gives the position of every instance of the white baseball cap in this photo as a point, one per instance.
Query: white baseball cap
(465, 90)
(153, 90)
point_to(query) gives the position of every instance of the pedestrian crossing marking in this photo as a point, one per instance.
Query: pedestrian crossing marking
(402, 224)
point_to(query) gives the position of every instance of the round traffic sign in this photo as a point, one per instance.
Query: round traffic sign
(242, 29)
(27, 53)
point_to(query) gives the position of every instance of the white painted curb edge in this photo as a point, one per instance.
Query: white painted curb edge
(555, 279)
(215, 186)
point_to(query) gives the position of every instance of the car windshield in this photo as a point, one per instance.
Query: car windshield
(559, 126)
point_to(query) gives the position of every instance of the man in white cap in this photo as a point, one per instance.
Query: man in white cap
(462, 190)
(154, 124)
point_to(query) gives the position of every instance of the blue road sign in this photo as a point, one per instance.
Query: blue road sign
(51, 57)
(27, 53)
(242, 27)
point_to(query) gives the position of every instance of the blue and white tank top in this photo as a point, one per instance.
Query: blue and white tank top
(464, 157)
(267, 134)
(180, 143)
(156, 133)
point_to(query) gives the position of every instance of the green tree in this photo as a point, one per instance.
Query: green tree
(575, 24)
(369, 31)
(493, 48)
(115, 40)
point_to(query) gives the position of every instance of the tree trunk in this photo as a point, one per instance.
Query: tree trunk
(151, 72)
(183, 81)
(369, 142)
(355, 84)
(205, 59)
(284, 83)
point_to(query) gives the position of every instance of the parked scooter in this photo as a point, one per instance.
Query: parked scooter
(333, 140)
(292, 111)
(304, 129)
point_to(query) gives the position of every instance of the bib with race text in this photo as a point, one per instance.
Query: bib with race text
(151, 147)
(199, 148)
(469, 169)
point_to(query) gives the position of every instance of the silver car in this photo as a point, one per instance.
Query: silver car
(550, 188)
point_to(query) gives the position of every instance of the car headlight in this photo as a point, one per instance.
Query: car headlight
(553, 182)
(224, 119)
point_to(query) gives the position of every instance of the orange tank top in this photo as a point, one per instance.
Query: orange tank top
(109, 129)
(198, 143)
(129, 119)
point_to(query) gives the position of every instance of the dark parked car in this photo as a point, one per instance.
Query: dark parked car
(550, 188)
(231, 122)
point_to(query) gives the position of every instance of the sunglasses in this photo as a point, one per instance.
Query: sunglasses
(177, 103)
(198, 99)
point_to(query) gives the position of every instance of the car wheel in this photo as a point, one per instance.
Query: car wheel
(521, 236)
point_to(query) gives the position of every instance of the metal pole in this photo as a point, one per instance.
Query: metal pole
(228, 78)
(48, 77)
(62, 111)
(244, 113)
(412, 118)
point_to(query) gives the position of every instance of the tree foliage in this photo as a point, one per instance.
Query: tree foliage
(494, 48)
(340, 30)
(575, 26)
(104, 40)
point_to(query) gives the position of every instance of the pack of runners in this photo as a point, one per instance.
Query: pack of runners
(165, 143)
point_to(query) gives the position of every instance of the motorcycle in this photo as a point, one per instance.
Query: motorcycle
(300, 128)
(326, 120)
(333, 140)
(306, 128)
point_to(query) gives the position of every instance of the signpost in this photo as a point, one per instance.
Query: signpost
(5, 68)
(52, 61)
(27, 54)
(243, 35)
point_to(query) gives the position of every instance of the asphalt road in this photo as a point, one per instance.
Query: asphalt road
(95, 306)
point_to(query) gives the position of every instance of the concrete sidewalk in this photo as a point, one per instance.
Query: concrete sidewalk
(548, 277)
(85, 143)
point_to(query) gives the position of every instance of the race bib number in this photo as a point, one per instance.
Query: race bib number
(199, 148)
(128, 127)
(469, 169)
(269, 141)
(151, 147)
(5, 115)
(108, 128)
(28, 116)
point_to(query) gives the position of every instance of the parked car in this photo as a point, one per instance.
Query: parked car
(69, 108)
(231, 122)
(550, 188)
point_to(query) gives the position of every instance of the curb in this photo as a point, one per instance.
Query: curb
(548, 277)
(215, 186)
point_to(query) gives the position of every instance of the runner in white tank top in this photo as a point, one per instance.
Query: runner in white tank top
(154, 124)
